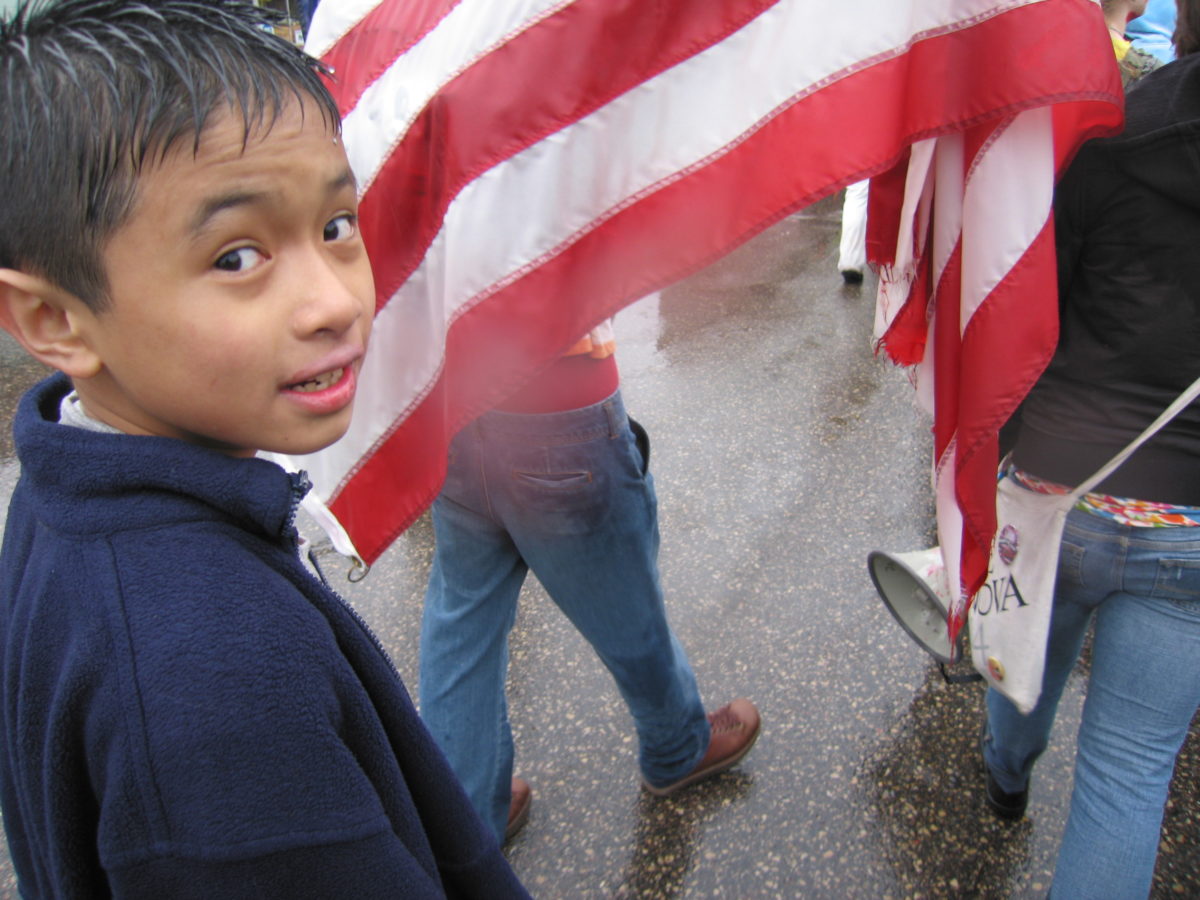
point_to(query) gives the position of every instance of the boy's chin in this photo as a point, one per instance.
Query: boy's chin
(304, 448)
(305, 444)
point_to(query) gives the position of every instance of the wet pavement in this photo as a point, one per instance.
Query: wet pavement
(783, 452)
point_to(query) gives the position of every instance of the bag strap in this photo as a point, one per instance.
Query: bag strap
(1167, 415)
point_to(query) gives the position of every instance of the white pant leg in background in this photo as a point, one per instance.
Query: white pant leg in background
(852, 252)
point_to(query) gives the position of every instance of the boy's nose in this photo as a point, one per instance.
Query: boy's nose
(331, 295)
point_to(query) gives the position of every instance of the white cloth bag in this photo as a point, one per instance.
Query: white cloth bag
(1010, 615)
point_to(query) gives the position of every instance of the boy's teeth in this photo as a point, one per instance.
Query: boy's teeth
(319, 383)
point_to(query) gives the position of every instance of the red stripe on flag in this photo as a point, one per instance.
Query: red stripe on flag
(393, 486)
(544, 79)
(380, 38)
(884, 202)
(1075, 124)
(948, 324)
(692, 221)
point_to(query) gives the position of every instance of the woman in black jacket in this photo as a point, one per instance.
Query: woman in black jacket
(1127, 219)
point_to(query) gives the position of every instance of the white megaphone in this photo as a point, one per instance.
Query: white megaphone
(915, 590)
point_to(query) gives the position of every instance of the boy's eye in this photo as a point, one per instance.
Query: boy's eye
(341, 227)
(238, 260)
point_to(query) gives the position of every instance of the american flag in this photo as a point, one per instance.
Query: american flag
(528, 167)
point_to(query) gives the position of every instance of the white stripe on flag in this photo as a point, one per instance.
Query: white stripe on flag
(333, 20)
(1003, 222)
(388, 107)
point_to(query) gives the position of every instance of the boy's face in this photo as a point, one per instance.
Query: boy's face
(241, 295)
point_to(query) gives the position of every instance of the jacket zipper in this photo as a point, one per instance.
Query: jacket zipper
(300, 485)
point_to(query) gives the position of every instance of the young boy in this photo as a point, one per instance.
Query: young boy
(187, 710)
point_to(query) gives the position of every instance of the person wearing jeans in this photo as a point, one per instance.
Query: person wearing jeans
(562, 487)
(1127, 221)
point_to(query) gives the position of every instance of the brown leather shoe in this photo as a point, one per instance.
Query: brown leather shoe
(735, 728)
(518, 808)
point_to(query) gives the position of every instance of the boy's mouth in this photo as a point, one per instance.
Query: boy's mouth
(319, 383)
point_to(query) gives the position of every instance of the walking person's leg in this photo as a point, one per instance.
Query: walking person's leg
(1143, 691)
(470, 607)
(852, 248)
(1012, 742)
(582, 510)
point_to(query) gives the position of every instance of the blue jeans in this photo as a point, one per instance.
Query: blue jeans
(1142, 586)
(568, 496)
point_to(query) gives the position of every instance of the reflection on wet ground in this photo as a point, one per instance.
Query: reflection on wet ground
(784, 452)
(924, 784)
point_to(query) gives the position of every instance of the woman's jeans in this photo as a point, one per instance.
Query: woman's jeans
(1142, 586)
(568, 496)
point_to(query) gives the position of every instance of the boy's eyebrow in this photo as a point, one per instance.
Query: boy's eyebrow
(345, 180)
(220, 203)
(214, 205)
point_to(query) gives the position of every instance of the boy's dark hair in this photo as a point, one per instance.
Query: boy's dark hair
(92, 90)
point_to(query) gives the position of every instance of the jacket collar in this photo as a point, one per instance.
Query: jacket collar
(86, 482)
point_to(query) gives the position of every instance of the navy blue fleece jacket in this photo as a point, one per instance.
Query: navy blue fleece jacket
(188, 712)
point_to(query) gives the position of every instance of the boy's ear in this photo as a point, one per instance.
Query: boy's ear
(46, 320)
